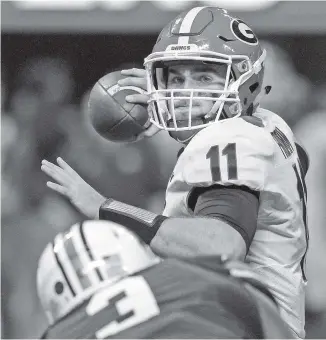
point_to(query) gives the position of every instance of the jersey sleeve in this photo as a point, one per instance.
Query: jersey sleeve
(232, 152)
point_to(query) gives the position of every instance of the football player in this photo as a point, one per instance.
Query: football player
(98, 280)
(238, 186)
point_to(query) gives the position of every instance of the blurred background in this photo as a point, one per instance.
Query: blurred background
(52, 54)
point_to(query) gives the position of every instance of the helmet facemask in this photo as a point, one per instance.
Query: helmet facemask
(224, 101)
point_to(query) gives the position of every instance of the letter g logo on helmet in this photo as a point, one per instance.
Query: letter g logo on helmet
(243, 32)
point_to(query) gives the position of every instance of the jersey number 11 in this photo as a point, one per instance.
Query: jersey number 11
(214, 156)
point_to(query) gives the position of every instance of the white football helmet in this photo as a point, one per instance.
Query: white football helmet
(91, 255)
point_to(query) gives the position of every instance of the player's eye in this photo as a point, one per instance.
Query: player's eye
(205, 79)
(176, 80)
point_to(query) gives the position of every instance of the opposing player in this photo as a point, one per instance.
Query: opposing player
(238, 187)
(98, 280)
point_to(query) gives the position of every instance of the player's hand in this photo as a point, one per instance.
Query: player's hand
(150, 131)
(137, 77)
(134, 77)
(68, 183)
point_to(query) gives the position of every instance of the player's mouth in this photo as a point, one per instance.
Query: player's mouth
(179, 103)
(184, 122)
(182, 113)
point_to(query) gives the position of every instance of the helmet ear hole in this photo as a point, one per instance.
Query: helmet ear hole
(243, 66)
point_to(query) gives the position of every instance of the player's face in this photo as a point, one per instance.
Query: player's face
(198, 77)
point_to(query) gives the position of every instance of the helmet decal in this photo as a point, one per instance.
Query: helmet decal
(243, 32)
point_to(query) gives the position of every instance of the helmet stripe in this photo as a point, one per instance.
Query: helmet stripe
(75, 255)
(186, 24)
(100, 273)
(62, 270)
(83, 255)
(71, 274)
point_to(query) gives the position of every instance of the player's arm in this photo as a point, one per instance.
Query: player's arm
(88, 201)
(213, 230)
(227, 214)
(198, 236)
(224, 224)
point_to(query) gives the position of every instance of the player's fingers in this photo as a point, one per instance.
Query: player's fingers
(134, 72)
(134, 81)
(54, 169)
(52, 166)
(137, 99)
(60, 177)
(58, 188)
(151, 130)
(64, 165)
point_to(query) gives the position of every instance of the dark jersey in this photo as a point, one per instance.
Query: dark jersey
(174, 299)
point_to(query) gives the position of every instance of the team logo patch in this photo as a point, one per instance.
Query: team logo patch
(243, 32)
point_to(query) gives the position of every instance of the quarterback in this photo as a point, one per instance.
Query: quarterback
(99, 281)
(238, 186)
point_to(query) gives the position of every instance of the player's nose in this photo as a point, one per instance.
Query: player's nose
(180, 103)
(185, 90)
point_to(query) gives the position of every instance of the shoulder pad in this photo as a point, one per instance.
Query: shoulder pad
(232, 152)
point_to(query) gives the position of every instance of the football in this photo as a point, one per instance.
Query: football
(111, 115)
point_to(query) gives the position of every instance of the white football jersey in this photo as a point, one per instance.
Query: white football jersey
(265, 159)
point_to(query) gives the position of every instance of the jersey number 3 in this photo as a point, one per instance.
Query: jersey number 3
(214, 155)
(123, 305)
